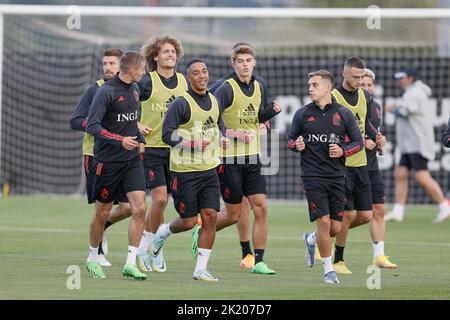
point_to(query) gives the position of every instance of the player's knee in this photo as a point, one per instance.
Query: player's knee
(260, 210)
(125, 209)
(160, 201)
(138, 210)
(401, 173)
(422, 177)
(365, 217)
(335, 229)
(378, 212)
(324, 223)
(190, 223)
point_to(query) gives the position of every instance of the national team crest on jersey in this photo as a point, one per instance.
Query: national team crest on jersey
(336, 119)
(105, 193)
(136, 95)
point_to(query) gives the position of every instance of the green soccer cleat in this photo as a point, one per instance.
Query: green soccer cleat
(262, 268)
(95, 269)
(132, 271)
(195, 234)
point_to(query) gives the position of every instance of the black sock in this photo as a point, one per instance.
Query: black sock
(246, 249)
(338, 254)
(259, 254)
(107, 224)
(100, 249)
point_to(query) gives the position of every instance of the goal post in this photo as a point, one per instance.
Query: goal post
(49, 54)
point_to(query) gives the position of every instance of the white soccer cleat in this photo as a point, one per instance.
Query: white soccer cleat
(105, 244)
(331, 278)
(158, 263)
(102, 261)
(442, 216)
(392, 216)
(143, 262)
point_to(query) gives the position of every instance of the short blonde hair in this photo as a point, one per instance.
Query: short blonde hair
(370, 74)
(151, 48)
(241, 49)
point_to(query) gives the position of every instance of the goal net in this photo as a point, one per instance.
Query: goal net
(47, 65)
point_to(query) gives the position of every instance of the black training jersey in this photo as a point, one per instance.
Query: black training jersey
(319, 128)
(374, 110)
(114, 115)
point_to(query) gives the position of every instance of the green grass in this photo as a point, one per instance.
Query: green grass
(41, 237)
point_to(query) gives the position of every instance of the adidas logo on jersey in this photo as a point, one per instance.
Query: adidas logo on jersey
(249, 111)
(311, 119)
(209, 123)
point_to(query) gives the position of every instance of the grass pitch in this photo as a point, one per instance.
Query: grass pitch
(40, 238)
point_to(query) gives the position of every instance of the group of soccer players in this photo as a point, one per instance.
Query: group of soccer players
(153, 131)
(159, 131)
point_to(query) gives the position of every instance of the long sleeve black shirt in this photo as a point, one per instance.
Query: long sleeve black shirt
(79, 115)
(319, 128)
(374, 110)
(179, 113)
(114, 115)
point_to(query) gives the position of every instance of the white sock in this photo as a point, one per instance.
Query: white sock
(145, 241)
(378, 249)
(164, 231)
(444, 207)
(202, 259)
(398, 209)
(93, 254)
(132, 252)
(311, 239)
(327, 265)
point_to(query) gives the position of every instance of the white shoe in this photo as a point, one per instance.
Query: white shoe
(391, 216)
(158, 263)
(105, 244)
(103, 262)
(441, 217)
(143, 262)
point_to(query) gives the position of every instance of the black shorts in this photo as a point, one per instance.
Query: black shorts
(89, 173)
(325, 197)
(238, 180)
(192, 191)
(376, 186)
(357, 189)
(113, 180)
(157, 172)
(414, 161)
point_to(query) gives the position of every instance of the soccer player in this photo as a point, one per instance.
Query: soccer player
(243, 225)
(78, 121)
(415, 140)
(324, 132)
(112, 120)
(357, 183)
(159, 87)
(191, 127)
(377, 227)
(244, 103)
(446, 136)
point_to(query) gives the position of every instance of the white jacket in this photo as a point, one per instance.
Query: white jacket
(415, 115)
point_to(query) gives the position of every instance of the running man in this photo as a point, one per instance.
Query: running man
(244, 103)
(325, 133)
(191, 128)
(158, 88)
(78, 121)
(377, 227)
(112, 120)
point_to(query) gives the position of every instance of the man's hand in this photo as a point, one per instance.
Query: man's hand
(380, 140)
(145, 130)
(129, 143)
(224, 142)
(244, 136)
(390, 107)
(335, 151)
(369, 144)
(300, 144)
(276, 106)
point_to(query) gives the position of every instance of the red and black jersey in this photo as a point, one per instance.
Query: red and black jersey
(319, 128)
(374, 110)
(114, 115)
